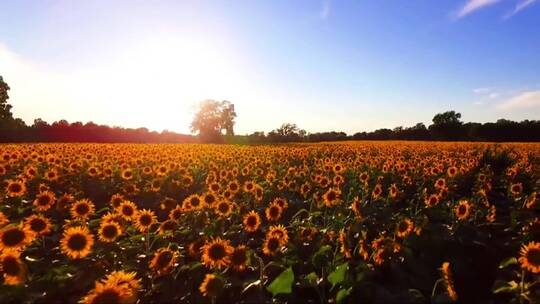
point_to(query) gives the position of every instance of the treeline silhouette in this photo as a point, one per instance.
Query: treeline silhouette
(214, 117)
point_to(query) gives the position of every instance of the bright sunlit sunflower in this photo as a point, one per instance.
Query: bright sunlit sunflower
(15, 237)
(404, 228)
(77, 242)
(82, 209)
(224, 208)
(462, 210)
(44, 200)
(163, 261)
(144, 220)
(530, 257)
(273, 212)
(15, 188)
(211, 285)
(38, 224)
(271, 245)
(216, 253)
(251, 221)
(280, 232)
(108, 293)
(109, 231)
(13, 269)
(128, 210)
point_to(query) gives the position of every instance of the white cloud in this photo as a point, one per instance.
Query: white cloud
(473, 5)
(483, 90)
(520, 5)
(524, 100)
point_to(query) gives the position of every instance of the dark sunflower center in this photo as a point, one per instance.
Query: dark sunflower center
(274, 211)
(145, 220)
(44, 200)
(403, 226)
(107, 296)
(13, 237)
(223, 207)
(10, 266)
(238, 257)
(533, 257)
(38, 225)
(163, 259)
(195, 202)
(462, 209)
(273, 244)
(127, 210)
(217, 252)
(251, 221)
(16, 188)
(110, 231)
(82, 209)
(77, 242)
(331, 196)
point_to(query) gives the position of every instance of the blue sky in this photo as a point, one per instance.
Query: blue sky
(325, 65)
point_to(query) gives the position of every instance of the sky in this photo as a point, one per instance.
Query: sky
(343, 65)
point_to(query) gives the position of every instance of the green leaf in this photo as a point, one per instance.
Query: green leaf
(342, 294)
(319, 257)
(312, 278)
(508, 262)
(338, 275)
(503, 286)
(283, 283)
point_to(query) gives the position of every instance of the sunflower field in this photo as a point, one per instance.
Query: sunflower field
(348, 222)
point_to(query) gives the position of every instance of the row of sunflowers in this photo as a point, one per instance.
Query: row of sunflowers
(370, 222)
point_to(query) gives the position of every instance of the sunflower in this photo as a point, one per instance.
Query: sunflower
(163, 261)
(356, 206)
(239, 258)
(192, 203)
(530, 257)
(273, 212)
(331, 197)
(462, 210)
(176, 213)
(38, 224)
(15, 237)
(209, 199)
(448, 281)
(211, 285)
(344, 245)
(15, 188)
(116, 200)
(82, 209)
(432, 200)
(404, 228)
(271, 245)
(144, 219)
(195, 247)
(280, 232)
(224, 208)
(3, 219)
(77, 242)
(167, 227)
(44, 200)
(530, 202)
(127, 174)
(13, 269)
(128, 210)
(251, 221)
(258, 192)
(64, 202)
(377, 191)
(452, 171)
(516, 189)
(393, 191)
(216, 253)
(168, 204)
(122, 278)
(109, 231)
(108, 293)
(282, 202)
(249, 186)
(52, 175)
(440, 183)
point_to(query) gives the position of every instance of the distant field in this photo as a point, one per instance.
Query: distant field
(358, 222)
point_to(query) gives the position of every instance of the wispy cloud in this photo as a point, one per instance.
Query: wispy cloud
(523, 100)
(520, 5)
(325, 9)
(474, 5)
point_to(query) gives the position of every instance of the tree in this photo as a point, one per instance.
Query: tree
(5, 108)
(447, 126)
(212, 118)
(286, 133)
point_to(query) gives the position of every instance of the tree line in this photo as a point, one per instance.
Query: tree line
(214, 123)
